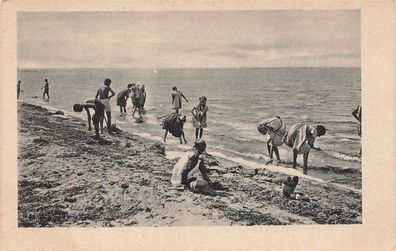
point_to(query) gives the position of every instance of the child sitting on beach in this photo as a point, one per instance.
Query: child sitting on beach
(98, 108)
(276, 129)
(199, 117)
(301, 137)
(174, 123)
(288, 187)
(191, 172)
(103, 95)
(122, 98)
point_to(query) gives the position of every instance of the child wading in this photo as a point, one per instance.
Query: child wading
(103, 95)
(98, 108)
(177, 99)
(199, 117)
(357, 114)
(276, 129)
(301, 137)
(46, 89)
(18, 88)
(122, 98)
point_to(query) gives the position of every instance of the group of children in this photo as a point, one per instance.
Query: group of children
(101, 105)
(191, 171)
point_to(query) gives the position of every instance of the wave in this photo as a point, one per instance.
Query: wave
(343, 156)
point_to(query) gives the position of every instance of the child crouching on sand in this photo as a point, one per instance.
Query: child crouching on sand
(288, 187)
(98, 108)
(191, 172)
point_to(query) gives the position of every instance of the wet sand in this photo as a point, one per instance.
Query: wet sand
(66, 178)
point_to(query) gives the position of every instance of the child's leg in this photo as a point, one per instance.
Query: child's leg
(166, 133)
(269, 148)
(196, 133)
(120, 109)
(124, 109)
(276, 152)
(101, 123)
(109, 121)
(200, 133)
(305, 156)
(295, 159)
(184, 137)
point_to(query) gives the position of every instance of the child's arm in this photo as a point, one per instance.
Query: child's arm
(112, 93)
(97, 94)
(355, 114)
(184, 97)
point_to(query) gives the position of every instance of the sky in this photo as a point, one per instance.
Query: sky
(189, 39)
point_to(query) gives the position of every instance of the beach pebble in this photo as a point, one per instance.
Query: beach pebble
(40, 141)
(70, 199)
(124, 186)
(128, 144)
(157, 147)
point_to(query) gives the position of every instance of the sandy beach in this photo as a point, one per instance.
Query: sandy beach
(66, 178)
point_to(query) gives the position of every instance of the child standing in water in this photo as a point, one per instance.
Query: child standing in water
(18, 88)
(122, 98)
(357, 114)
(276, 129)
(46, 89)
(199, 117)
(103, 95)
(177, 99)
(301, 137)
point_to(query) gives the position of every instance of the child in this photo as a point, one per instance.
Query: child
(122, 98)
(98, 108)
(46, 89)
(357, 114)
(18, 88)
(288, 187)
(191, 172)
(301, 137)
(103, 95)
(174, 124)
(276, 129)
(137, 100)
(177, 99)
(199, 117)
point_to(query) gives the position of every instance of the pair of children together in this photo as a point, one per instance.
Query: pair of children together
(174, 122)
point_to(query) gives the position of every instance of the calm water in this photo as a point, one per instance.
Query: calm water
(237, 99)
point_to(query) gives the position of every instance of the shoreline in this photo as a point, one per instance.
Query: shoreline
(68, 179)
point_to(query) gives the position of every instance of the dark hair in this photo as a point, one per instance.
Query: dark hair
(129, 86)
(321, 130)
(200, 145)
(46, 80)
(174, 88)
(77, 108)
(107, 82)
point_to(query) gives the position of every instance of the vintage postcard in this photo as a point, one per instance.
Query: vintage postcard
(213, 121)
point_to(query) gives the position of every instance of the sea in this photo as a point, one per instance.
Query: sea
(238, 99)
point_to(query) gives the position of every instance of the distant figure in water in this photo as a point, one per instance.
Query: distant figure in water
(138, 99)
(357, 114)
(103, 95)
(98, 108)
(122, 98)
(199, 117)
(46, 89)
(276, 129)
(174, 123)
(143, 91)
(18, 88)
(301, 137)
(191, 172)
(177, 99)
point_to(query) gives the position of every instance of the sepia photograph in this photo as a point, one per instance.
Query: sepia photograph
(189, 118)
